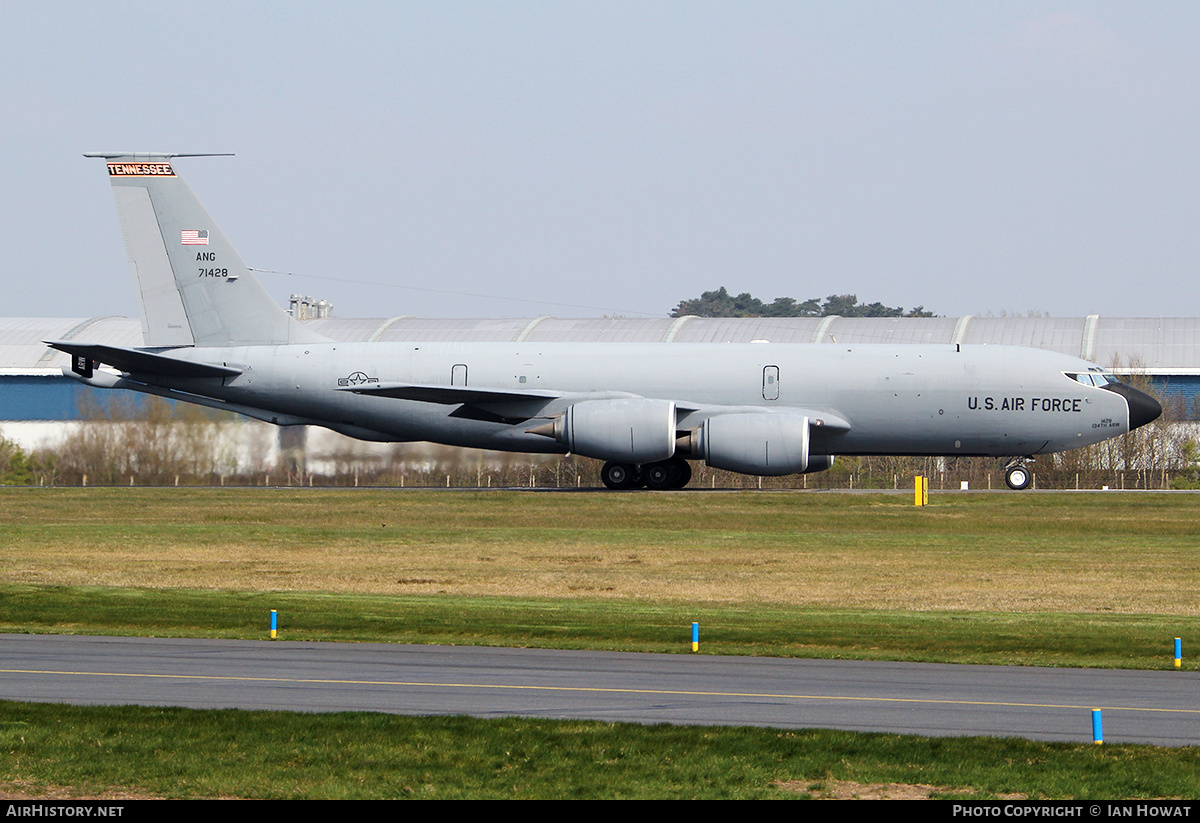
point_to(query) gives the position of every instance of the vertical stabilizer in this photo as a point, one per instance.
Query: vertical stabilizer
(193, 285)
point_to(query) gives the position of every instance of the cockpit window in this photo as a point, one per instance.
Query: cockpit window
(1093, 378)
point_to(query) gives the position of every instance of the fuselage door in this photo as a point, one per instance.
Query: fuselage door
(770, 383)
(458, 375)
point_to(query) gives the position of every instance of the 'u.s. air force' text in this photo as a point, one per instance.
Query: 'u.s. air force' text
(1036, 404)
(1043, 404)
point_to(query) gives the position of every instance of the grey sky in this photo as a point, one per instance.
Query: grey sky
(621, 156)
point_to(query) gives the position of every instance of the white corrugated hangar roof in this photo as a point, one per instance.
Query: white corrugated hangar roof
(1163, 345)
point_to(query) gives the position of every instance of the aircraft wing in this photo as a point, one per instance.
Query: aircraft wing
(137, 361)
(825, 419)
(450, 395)
(510, 405)
(476, 402)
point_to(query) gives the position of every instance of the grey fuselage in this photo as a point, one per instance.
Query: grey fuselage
(897, 399)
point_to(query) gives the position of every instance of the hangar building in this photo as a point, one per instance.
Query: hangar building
(1167, 350)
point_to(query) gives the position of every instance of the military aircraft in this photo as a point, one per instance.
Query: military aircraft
(214, 337)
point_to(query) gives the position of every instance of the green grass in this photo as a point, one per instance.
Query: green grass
(1052, 553)
(1037, 639)
(1100, 580)
(188, 753)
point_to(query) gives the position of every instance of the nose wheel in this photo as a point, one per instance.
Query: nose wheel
(1018, 476)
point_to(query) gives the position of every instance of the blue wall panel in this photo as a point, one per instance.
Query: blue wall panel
(51, 398)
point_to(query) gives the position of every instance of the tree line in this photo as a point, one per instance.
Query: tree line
(721, 303)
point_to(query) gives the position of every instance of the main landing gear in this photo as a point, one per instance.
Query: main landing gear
(665, 474)
(1017, 474)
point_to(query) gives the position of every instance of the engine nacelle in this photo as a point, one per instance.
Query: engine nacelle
(627, 430)
(761, 444)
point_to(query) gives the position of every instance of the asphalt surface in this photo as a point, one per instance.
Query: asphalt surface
(929, 699)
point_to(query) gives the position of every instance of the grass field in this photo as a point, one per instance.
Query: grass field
(129, 751)
(1104, 579)
(1100, 553)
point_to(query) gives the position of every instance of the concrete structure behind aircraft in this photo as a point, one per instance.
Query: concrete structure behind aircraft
(214, 337)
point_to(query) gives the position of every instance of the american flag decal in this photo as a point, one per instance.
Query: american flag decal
(194, 237)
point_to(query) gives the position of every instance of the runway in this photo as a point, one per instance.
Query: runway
(1158, 707)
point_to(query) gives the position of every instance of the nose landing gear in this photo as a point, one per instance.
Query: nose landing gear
(1017, 474)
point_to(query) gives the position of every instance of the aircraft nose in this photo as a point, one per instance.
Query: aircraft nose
(1143, 408)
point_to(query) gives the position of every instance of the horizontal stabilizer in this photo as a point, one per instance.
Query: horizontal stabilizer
(135, 361)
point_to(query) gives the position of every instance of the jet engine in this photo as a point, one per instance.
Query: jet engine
(760, 444)
(627, 430)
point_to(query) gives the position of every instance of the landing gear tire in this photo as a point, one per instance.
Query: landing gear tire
(620, 476)
(658, 476)
(685, 472)
(667, 474)
(1018, 478)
